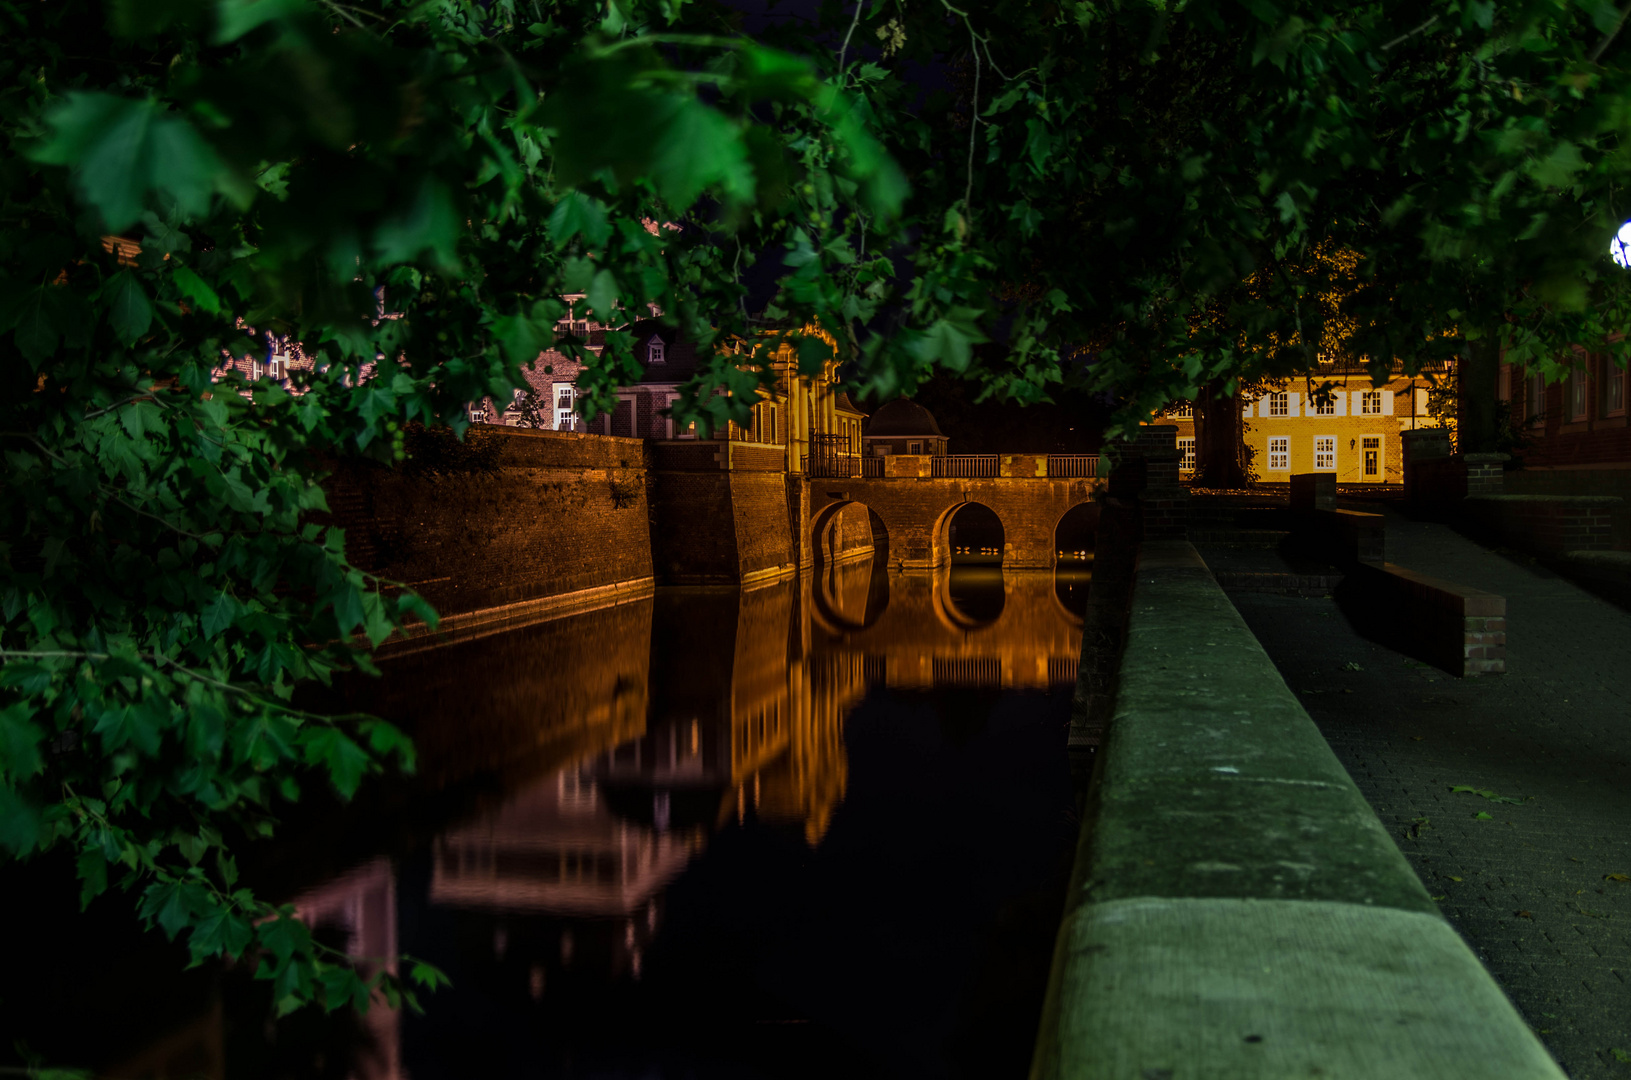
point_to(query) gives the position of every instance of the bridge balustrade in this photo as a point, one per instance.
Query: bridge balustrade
(872, 467)
(1073, 466)
(966, 466)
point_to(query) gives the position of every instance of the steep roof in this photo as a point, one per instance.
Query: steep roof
(902, 417)
(844, 404)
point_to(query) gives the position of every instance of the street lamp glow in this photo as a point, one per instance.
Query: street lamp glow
(1620, 247)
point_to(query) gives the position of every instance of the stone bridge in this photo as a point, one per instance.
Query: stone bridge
(910, 510)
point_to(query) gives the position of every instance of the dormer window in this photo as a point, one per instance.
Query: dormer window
(654, 351)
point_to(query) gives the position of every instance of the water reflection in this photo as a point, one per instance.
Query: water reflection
(784, 832)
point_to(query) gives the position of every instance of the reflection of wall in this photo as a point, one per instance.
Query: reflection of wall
(1032, 643)
(526, 701)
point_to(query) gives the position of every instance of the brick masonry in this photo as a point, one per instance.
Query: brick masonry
(1456, 627)
(509, 515)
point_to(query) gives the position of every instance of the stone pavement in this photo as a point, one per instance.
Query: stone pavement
(1541, 886)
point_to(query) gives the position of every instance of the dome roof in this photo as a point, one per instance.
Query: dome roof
(902, 417)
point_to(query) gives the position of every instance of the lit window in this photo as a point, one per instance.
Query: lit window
(1186, 450)
(654, 351)
(254, 369)
(1280, 454)
(478, 413)
(277, 366)
(1279, 404)
(1328, 407)
(1325, 453)
(1372, 446)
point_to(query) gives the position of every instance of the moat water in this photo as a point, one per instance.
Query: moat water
(820, 828)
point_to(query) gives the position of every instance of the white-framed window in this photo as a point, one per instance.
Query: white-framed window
(914, 448)
(254, 370)
(478, 412)
(1579, 394)
(277, 366)
(1328, 407)
(655, 352)
(1186, 452)
(1181, 410)
(1613, 388)
(1280, 453)
(1325, 453)
(566, 413)
(1279, 404)
(1370, 403)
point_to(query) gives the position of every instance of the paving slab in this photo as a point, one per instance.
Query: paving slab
(1532, 863)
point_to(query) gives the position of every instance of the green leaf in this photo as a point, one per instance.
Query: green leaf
(235, 18)
(20, 740)
(579, 214)
(602, 296)
(432, 224)
(93, 875)
(697, 146)
(194, 288)
(344, 759)
(19, 822)
(428, 976)
(218, 614)
(130, 313)
(121, 151)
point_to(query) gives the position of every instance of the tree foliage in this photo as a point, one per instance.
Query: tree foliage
(1124, 196)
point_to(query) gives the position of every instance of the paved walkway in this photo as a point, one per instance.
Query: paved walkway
(1540, 887)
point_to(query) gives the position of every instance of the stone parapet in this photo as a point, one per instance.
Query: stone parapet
(1237, 910)
(1455, 627)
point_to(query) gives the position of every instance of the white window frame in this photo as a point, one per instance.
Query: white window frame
(1381, 456)
(1280, 453)
(1279, 404)
(566, 417)
(655, 352)
(914, 448)
(1370, 403)
(1186, 451)
(1325, 460)
(1328, 407)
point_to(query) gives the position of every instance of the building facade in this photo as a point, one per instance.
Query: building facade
(1353, 432)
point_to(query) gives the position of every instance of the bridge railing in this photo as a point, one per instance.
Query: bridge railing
(1073, 466)
(872, 466)
(968, 466)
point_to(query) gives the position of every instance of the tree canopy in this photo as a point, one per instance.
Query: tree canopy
(1124, 197)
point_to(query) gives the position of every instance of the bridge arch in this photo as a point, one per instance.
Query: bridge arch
(1075, 536)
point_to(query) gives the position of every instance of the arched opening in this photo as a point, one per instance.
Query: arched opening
(975, 535)
(851, 547)
(1073, 541)
(974, 586)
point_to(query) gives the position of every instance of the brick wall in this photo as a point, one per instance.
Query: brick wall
(1458, 628)
(507, 516)
(759, 512)
(1549, 524)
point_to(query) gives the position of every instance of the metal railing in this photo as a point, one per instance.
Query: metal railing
(968, 466)
(1073, 466)
(830, 456)
(872, 466)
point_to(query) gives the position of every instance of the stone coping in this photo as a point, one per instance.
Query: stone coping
(1237, 910)
(1569, 500)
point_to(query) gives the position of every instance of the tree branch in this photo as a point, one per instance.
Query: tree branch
(1608, 38)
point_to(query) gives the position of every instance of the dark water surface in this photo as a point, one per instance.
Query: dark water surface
(819, 828)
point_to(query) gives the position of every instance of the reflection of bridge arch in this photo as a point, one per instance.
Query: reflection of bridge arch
(847, 529)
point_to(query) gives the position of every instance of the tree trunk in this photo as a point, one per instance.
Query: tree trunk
(1218, 439)
(1480, 378)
